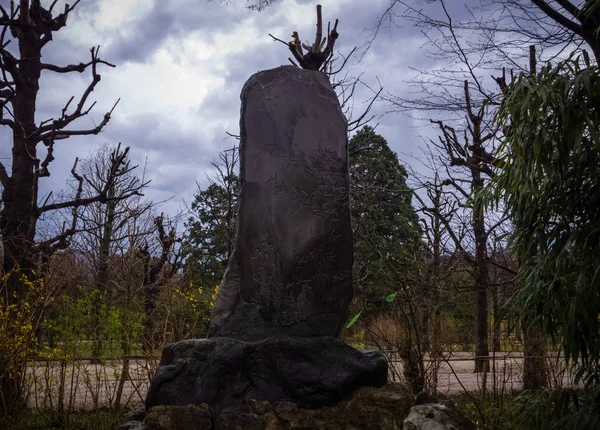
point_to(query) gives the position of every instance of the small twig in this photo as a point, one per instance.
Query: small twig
(236, 136)
(278, 40)
(344, 63)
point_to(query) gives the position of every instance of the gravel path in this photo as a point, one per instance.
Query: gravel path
(456, 374)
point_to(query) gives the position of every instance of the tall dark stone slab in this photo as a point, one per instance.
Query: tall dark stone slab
(290, 271)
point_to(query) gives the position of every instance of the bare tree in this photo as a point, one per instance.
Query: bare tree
(463, 152)
(103, 228)
(32, 26)
(25, 29)
(504, 28)
(128, 251)
(494, 34)
(471, 157)
(500, 32)
(160, 262)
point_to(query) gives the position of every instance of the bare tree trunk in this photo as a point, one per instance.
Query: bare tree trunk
(497, 344)
(126, 348)
(481, 269)
(435, 349)
(151, 282)
(535, 367)
(414, 370)
(102, 278)
(18, 194)
(432, 317)
(18, 220)
(437, 253)
(150, 290)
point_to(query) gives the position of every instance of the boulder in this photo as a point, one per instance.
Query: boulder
(437, 416)
(135, 416)
(131, 425)
(136, 413)
(310, 372)
(188, 417)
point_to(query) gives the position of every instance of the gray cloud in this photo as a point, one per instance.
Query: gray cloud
(168, 20)
(179, 142)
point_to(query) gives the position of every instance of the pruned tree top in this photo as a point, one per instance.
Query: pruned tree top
(319, 54)
(30, 26)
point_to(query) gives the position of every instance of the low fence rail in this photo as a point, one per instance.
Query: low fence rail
(85, 383)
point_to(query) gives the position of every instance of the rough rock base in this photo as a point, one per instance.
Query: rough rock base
(369, 408)
(222, 372)
(385, 408)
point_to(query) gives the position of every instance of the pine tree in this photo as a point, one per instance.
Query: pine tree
(386, 227)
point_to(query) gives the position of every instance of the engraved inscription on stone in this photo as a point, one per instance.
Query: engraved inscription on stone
(290, 271)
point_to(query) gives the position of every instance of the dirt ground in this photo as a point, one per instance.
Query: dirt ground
(87, 386)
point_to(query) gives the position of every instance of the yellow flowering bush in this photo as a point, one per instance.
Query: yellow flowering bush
(183, 312)
(19, 319)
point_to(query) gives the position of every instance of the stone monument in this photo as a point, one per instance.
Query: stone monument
(291, 269)
(288, 284)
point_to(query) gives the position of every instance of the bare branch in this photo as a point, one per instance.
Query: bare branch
(63, 134)
(278, 40)
(9, 64)
(118, 167)
(74, 67)
(61, 241)
(7, 122)
(55, 131)
(44, 172)
(297, 42)
(235, 136)
(319, 35)
(556, 16)
(346, 58)
(570, 8)
(6, 19)
(451, 181)
(360, 121)
(52, 6)
(446, 222)
(61, 19)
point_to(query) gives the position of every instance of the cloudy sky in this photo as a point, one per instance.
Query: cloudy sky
(181, 65)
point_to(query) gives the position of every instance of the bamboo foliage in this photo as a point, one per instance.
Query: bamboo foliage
(548, 181)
